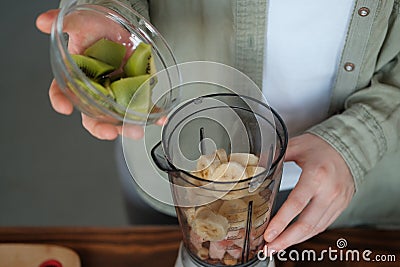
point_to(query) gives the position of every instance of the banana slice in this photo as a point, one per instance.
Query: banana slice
(222, 156)
(205, 161)
(235, 251)
(214, 206)
(233, 173)
(235, 211)
(202, 253)
(210, 226)
(229, 172)
(260, 215)
(244, 159)
(257, 175)
(256, 198)
(230, 260)
(189, 214)
(206, 165)
(252, 171)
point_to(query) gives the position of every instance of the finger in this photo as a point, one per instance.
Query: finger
(297, 200)
(132, 131)
(331, 213)
(316, 217)
(101, 130)
(58, 100)
(293, 150)
(45, 20)
(307, 225)
(162, 121)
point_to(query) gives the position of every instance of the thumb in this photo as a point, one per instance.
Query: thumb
(46, 19)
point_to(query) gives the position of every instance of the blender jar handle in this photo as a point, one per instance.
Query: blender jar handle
(160, 160)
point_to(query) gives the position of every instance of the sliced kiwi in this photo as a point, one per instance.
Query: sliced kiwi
(151, 67)
(96, 85)
(139, 62)
(107, 51)
(137, 88)
(129, 85)
(95, 95)
(93, 68)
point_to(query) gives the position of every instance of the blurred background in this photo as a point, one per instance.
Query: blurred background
(52, 172)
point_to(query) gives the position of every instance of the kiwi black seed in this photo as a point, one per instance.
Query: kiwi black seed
(92, 68)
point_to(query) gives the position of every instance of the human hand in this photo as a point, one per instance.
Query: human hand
(79, 39)
(324, 190)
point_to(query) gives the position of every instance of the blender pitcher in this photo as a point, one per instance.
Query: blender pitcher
(224, 155)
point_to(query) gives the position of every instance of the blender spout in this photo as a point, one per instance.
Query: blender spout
(158, 156)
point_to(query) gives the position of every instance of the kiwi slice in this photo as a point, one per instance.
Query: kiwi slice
(94, 95)
(96, 85)
(107, 51)
(137, 87)
(93, 68)
(151, 67)
(139, 63)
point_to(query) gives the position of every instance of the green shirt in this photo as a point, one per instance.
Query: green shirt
(364, 122)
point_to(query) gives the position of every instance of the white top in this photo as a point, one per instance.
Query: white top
(301, 62)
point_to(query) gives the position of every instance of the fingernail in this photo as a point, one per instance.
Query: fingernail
(271, 235)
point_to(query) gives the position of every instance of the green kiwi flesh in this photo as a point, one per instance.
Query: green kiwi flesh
(107, 51)
(96, 85)
(93, 94)
(139, 62)
(136, 89)
(92, 68)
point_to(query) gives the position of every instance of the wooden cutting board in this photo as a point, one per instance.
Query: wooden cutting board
(37, 255)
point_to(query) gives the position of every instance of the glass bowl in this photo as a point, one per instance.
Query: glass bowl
(79, 26)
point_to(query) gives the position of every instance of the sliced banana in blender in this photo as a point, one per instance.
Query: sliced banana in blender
(202, 253)
(210, 226)
(235, 211)
(205, 161)
(227, 179)
(215, 206)
(229, 260)
(252, 171)
(222, 156)
(244, 159)
(229, 172)
(189, 214)
(206, 165)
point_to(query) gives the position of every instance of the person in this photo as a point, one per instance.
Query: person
(332, 70)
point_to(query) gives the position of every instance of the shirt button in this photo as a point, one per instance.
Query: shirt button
(363, 12)
(349, 66)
